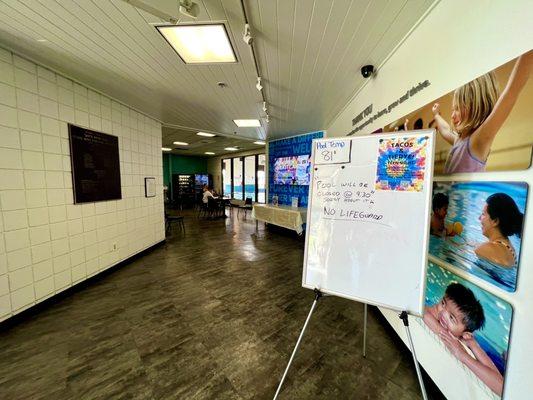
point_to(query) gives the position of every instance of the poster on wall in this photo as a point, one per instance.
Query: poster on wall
(481, 125)
(289, 168)
(472, 324)
(477, 227)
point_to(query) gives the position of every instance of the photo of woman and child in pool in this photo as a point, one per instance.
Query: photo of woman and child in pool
(477, 226)
(473, 324)
(484, 125)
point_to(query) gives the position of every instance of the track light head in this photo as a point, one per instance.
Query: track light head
(264, 106)
(247, 35)
(258, 84)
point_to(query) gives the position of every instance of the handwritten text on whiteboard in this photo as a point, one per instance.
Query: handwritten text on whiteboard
(332, 151)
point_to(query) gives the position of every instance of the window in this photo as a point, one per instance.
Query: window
(249, 177)
(226, 177)
(237, 178)
(244, 177)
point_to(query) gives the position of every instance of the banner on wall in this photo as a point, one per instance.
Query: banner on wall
(289, 168)
(482, 125)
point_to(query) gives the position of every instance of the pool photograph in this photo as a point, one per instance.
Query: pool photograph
(477, 227)
(472, 323)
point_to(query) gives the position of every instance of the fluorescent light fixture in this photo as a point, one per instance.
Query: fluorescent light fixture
(260, 143)
(181, 143)
(199, 44)
(166, 149)
(247, 123)
(231, 148)
(209, 153)
(206, 134)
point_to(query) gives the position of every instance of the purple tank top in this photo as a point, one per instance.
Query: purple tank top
(461, 160)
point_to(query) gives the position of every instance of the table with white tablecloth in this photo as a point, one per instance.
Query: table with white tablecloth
(284, 216)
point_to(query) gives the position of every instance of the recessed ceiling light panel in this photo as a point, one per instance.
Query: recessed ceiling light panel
(181, 143)
(247, 123)
(210, 153)
(199, 44)
(231, 148)
(260, 143)
(166, 149)
(206, 134)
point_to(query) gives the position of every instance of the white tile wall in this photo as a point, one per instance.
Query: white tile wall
(47, 243)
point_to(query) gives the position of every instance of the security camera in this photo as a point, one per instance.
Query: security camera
(189, 8)
(367, 71)
(247, 35)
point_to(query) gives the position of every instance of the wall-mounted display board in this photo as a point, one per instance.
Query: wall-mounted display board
(288, 168)
(477, 227)
(368, 219)
(480, 124)
(473, 324)
(469, 180)
(95, 165)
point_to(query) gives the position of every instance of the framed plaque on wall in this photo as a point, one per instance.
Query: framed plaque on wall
(149, 187)
(95, 165)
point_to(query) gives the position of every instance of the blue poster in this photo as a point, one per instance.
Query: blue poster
(289, 168)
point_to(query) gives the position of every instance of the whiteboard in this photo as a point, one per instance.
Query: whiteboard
(368, 218)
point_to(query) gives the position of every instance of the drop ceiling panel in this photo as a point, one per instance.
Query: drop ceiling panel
(309, 54)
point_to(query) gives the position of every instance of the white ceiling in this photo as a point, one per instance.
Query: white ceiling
(309, 53)
(198, 145)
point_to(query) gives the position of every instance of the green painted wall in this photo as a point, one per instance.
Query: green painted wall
(173, 164)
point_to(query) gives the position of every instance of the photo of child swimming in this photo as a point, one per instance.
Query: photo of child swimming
(472, 324)
(439, 206)
(482, 124)
(477, 226)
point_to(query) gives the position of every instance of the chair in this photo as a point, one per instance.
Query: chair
(202, 209)
(246, 206)
(212, 207)
(169, 219)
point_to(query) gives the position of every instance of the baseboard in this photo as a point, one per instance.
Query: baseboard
(37, 308)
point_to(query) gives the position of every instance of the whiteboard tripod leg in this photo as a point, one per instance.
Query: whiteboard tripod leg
(403, 317)
(318, 295)
(364, 329)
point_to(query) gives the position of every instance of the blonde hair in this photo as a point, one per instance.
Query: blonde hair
(475, 102)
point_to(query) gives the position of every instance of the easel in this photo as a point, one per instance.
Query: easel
(403, 316)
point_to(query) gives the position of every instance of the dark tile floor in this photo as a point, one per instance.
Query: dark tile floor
(212, 314)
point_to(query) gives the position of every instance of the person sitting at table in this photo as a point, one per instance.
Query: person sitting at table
(206, 194)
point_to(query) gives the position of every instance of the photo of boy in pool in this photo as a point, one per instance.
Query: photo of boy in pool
(455, 318)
